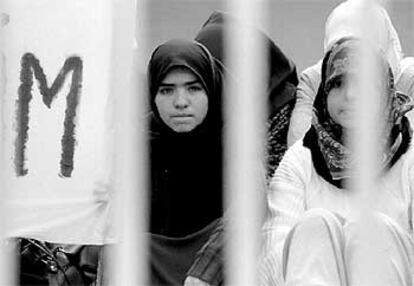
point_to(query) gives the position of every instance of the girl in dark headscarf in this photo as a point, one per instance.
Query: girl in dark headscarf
(281, 79)
(312, 236)
(186, 155)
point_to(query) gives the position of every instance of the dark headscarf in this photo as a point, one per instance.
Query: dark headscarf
(281, 73)
(282, 81)
(186, 168)
(331, 158)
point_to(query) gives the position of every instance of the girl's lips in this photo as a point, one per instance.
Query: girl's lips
(182, 116)
(348, 111)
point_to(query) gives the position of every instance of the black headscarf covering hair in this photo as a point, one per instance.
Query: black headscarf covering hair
(281, 70)
(331, 158)
(186, 168)
(282, 81)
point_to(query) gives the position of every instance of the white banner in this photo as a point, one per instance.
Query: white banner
(56, 124)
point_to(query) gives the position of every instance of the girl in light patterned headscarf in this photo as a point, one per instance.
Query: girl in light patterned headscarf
(335, 71)
(311, 236)
(341, 23)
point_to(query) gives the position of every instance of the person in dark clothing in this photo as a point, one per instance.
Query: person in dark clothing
(185, 89)
(281, 78)
(281, 97)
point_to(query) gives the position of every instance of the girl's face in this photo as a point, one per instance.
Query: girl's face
(341, 101)
(181, 100)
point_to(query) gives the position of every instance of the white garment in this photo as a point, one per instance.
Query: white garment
(306, 91)
(296, 187)
(325, 249)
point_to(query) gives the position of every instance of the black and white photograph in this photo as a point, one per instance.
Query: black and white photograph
(206, 142)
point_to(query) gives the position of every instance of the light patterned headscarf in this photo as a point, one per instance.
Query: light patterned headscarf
(336, 64)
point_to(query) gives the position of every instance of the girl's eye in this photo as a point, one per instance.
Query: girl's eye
(165, 90)
(195, 88)
(337, 83)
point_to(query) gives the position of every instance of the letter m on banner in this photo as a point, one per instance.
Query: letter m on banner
(30, 70)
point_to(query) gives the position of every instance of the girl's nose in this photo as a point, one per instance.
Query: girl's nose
(351, 91)
(181, 99)
(349, 94)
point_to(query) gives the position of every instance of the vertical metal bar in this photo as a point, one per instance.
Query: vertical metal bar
(365, 142)
(367, 130)
(7, 256)
(129, 263)
(244, 113)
